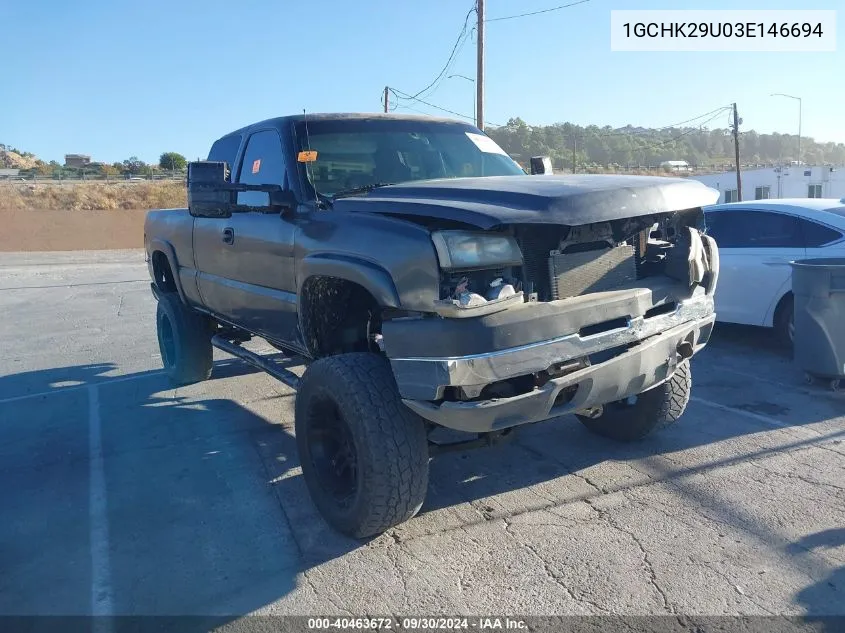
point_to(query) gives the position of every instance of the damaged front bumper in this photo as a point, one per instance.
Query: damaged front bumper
(636, 350)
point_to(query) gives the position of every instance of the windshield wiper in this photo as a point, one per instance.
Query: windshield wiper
(363, 189)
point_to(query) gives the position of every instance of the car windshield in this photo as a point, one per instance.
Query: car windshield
(353, 154)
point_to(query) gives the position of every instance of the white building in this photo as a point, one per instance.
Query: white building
(789, 181)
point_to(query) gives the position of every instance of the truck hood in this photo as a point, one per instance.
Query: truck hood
(570, 200)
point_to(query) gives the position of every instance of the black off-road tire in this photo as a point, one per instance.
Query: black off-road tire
(184, 340)
(653, 410)
(390, 478)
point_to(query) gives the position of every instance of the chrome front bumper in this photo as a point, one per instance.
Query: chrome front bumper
(426, 378)
(634, 371)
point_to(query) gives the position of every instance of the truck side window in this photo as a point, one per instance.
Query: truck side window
(263, 164)
(226, 150)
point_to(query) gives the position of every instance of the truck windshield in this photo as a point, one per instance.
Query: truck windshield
(349, 154)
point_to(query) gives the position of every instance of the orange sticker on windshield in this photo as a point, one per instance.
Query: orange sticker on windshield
(256, 165)
(307, 156)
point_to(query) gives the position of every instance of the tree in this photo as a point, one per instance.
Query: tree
(172, 161)
(133, 165)
(632, 146)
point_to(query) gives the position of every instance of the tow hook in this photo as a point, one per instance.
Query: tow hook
(591, 412)
(685, 349)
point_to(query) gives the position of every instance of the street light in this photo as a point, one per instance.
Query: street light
(470, 79)
(798, 99)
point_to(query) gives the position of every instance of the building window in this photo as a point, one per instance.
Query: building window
(730, 195)
(814, 191)
(761, 193)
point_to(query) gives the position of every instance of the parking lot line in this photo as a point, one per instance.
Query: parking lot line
(751, 376)
(101, 590)
(109, 381)
(763, 419)
(113, 381)
(79, 285)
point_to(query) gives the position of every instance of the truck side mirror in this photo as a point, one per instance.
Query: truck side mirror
(541, 165)
(283, 200)
(210, 194)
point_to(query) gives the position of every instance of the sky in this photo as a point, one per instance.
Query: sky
(120, 79)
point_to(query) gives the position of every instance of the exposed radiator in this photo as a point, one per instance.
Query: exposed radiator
(573, 274)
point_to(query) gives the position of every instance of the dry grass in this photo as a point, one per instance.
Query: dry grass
(104, 196)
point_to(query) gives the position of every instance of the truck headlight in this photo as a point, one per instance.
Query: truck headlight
(465, 249)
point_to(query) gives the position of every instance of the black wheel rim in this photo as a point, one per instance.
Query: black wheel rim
(332, 449)
(166, 342)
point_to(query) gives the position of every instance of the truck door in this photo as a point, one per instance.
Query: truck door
(245, 262)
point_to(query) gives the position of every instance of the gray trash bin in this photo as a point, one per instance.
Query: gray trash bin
(818, 286)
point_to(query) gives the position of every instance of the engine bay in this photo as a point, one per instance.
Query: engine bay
(566, 261)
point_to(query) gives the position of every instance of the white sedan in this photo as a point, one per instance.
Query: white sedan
(757, 240)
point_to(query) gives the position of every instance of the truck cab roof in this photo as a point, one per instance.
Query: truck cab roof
(283, 121)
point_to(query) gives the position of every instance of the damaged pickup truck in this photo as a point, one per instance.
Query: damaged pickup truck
(426, 281)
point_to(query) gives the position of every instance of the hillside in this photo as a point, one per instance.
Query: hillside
(636, 146)
(92, 195)
(13, 160)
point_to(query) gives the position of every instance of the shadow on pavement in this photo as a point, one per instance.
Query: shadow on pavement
(203, 510)
(207, 512)
(824, 598)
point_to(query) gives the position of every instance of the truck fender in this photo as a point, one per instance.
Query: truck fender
(372, 277)
(170, 254)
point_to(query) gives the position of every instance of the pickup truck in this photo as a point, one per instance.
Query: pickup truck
(427, 281)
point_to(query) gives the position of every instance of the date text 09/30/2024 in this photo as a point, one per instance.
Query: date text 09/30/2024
(417, 624)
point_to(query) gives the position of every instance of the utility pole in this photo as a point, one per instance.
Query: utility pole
(799, 132)
(798, 99)
(386, 97)
(479, 77)
(736, 123)
(574, 149)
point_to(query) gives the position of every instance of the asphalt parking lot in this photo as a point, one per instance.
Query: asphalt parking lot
(123, 495)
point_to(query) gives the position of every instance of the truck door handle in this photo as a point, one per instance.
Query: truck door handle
(228, 235)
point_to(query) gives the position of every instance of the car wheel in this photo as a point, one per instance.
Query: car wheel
(184, 340)
(634, 418)
(785, 322)
(364, 454)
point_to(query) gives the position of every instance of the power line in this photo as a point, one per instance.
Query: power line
(461, 38)
(717, 112)
(675, 138)
(522, 15)
(406, 107)
(401, 95)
